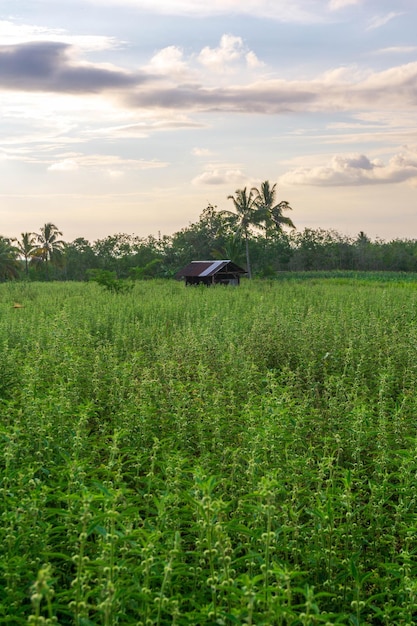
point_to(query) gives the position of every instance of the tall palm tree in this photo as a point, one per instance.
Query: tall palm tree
(26, 247)
(247, 214)
(48, 244)
(9, 264)
(271, 211)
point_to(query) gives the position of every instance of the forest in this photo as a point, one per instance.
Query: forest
(256, 235)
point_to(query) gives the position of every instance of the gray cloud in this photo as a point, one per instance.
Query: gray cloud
(219, 175)
(356, 169)
(262, 98)
(51, 67)
(338, 90)
(47, 66)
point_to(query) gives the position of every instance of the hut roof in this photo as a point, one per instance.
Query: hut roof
(209, 268)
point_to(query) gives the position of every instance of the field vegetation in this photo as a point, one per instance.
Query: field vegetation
(217, 456)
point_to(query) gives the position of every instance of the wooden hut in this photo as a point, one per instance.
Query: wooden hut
(223, 272)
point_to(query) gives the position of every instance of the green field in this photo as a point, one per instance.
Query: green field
(175, 456)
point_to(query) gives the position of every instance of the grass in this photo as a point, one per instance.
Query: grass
(209, 456)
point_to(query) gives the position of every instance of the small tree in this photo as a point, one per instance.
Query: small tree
(9, 264)
(109, 280)
(26, 247)
(48, 244)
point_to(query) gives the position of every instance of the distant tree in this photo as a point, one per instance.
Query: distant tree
(148, 259)
(49, 247)
(79, 257)
(270, 210)
(150, 270)
(271, 253)
(320, 249)
(27, 247)
(363, 248)
(9, 264)
(199, 239)
(115, 252)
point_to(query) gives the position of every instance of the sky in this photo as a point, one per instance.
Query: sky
(132, 116)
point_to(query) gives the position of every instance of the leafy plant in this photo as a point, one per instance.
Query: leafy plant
(209, 457)
(109, 280)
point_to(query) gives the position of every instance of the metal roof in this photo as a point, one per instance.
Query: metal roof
(213, 268)
(208, 268)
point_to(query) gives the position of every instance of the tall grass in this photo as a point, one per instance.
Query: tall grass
(208, 456)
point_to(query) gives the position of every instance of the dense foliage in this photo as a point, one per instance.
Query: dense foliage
(208, 456)
(217, 234)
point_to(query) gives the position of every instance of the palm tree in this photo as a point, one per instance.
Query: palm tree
(48, 244)
(9, 264)
(247, 214)
(265, 201)
(26, 247)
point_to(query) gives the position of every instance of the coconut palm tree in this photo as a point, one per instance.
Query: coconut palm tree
(48, 244)
(9, 264)
(246, 214)
(271, 211)
(26, 247)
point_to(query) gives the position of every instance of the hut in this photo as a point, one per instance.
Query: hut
(223, 272)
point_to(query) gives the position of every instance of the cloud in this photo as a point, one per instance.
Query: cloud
(343, 89)
(144, 128)
(298, 11)
(335, 5)
(381, 20)
(13, 34)
(270, 97)
(356, 169)
(397, 50)
(53, 67)
(230, 50)
(49, 66)
(202, 152)
(252, 60)
(108, 163)
(220, 175)
(169, 60)
(66, 165)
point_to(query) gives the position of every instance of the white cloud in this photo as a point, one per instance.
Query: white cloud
(397, 50)
(107, 163)
(356, 169)
(168, 61)
(202, 152)
(294, 11)
(12, 33)
(335, 5)
(381, 20)
(66, 165)
(116, 174)
(229, 50)
(252, 61)
(220, 175)
(231, 53)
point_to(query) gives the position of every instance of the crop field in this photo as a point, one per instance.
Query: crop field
(209, 456)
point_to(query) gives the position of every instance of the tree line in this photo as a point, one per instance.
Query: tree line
(256, 235)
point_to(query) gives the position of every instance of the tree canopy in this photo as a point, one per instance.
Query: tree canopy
(256, 233)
